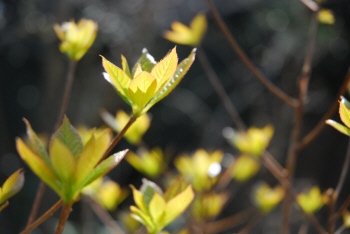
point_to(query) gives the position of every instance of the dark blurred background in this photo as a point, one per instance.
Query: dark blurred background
(272, 32)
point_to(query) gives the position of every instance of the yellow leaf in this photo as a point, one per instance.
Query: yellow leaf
(138, 70)
(244, 168)
(312, 201)
(38, 166)
(125, 66)
(91, 155)
(118, 78)
(267, 198)
(326, 16)
(344, 111)
(138, 198)
(12, 185)
(141, 91)
(192, 36)
(62, 159)
(156, 208)
(165, 69)
(178, 205)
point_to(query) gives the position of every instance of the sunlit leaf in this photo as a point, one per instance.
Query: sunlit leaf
(140, 216)
(37, 165)
(91, 155)
(103, 168)
(344, 111)
(179, 74)
(139, 200)
(175, 188)
(164, 70)
(146, 61)
(69, 137)
(118, 78)
(156, 207)
(62, 159)
(125, 66)
(141, 90)
(178, 205)
(312, 201)
(341, 128)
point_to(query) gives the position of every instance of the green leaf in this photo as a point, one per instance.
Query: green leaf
(35, 143)
(341, 128)
(12, 185)
(69, 137)
(139, 200)
(62, 159)
(178, 205)
(103, 168)
(146, 61)
(91, 155)
(38, 166)
(180, 72)
(125, 66)
(118, 78)
(344, 111)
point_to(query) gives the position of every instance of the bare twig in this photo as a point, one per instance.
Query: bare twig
(118, 137)
(339, 186)
(334, 107)
(342, 209)
(220, 90)
(229, 222)
(298, 119)
(45, 216)
(245, 59)
(105, 217)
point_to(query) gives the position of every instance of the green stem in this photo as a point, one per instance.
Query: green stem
(63, 217)
(45, 216)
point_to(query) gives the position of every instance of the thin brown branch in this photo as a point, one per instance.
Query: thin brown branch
(339, 187)
(105, 217)
(119, 137)
(245, 59)
(334, 107)
(67, 208)
(341, 210)
(229, 222)
(251, 224)
(298, 119)
(220, 90)
(67, 92)
(42, 218)
(65, 99)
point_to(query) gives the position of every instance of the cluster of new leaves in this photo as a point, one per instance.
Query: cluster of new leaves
(148, 82)
(69, 165)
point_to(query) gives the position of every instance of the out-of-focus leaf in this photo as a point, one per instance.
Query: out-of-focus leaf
(12, 185)
(178, 205)
(156, 207)
(125, 66)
